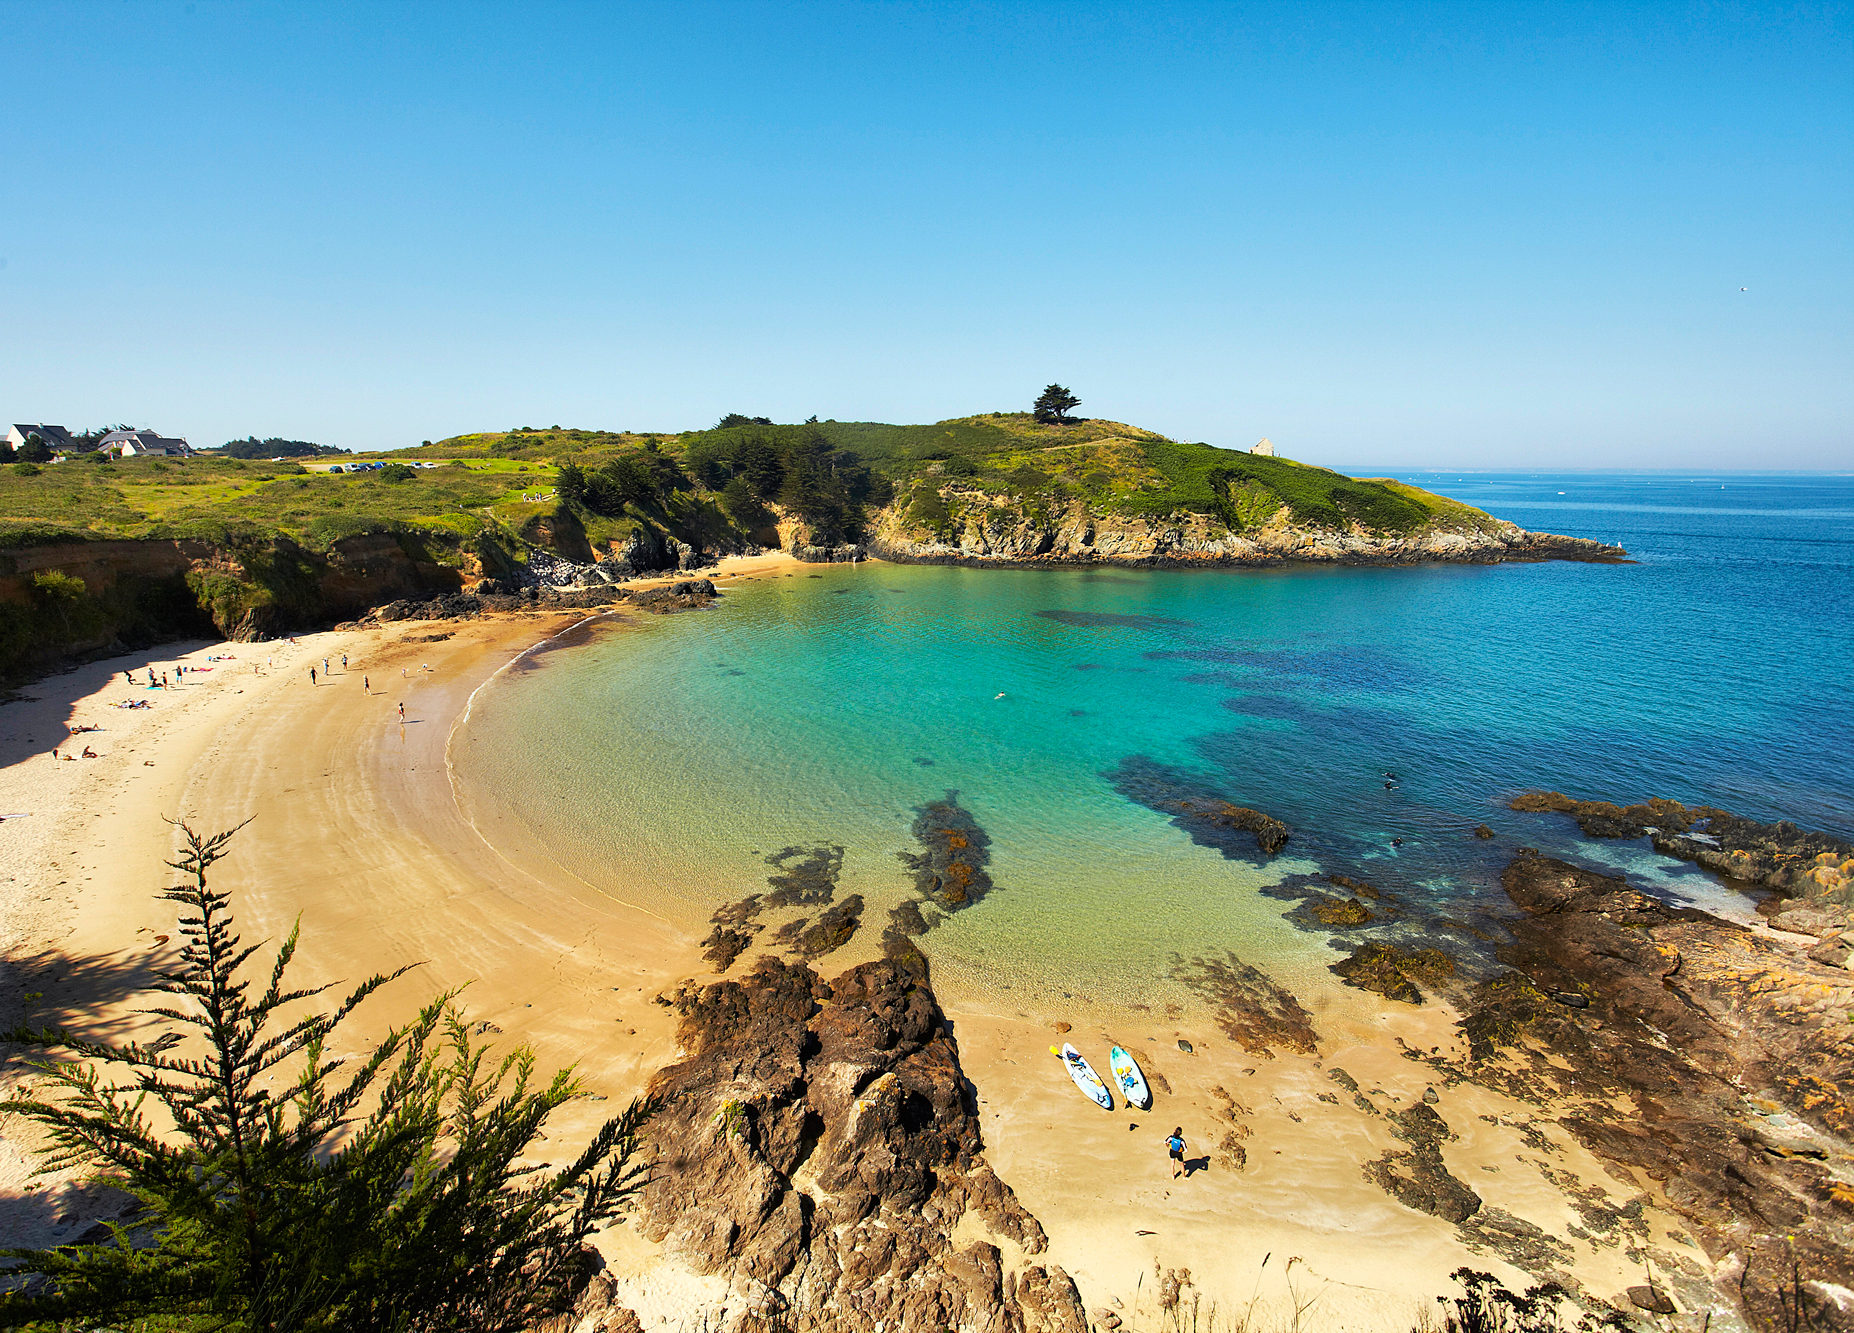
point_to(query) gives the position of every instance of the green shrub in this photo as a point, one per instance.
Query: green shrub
(927, 509)
(387, 1192)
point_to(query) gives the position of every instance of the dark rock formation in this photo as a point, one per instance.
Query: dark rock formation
(818, 1146)
(1394, 973)
(949, 870)
(1357, 886)
(1250, 1007)
(831, 931)
(1210, 819)
(1781, 855)
(453, 606)
(1341, 912)
(685, 595)
(1735, 1055)
(726, 943)
(1417, 1178)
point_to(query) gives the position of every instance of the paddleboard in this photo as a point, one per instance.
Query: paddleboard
(1085, 1077)
(1131, 1080)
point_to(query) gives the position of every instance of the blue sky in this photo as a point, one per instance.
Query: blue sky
(1380, 234)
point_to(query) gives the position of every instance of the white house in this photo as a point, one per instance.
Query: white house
(56, 438)
(1264, 447)
(137, 443)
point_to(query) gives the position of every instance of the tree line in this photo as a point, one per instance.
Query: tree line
(753, 464)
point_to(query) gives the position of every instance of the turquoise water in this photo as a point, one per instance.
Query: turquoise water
(1067, 708)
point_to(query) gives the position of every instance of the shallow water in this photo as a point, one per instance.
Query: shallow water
(666, 763)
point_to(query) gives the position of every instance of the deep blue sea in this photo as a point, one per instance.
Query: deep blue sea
(1382, 713)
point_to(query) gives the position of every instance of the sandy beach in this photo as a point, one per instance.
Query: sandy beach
(354, 830)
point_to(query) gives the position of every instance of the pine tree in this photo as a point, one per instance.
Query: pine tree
(388, 1196)
(1055, 401)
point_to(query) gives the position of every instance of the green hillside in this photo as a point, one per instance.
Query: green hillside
(710, 487)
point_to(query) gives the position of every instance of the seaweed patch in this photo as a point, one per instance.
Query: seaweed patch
(807, 876)
(1251, 1008)
(949, 870)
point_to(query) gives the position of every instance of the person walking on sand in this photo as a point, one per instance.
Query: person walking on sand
(312, 675)
(1175, 1149)
(344, 661)
(402, 712)
(366, 685)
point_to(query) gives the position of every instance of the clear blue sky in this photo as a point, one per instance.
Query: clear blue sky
(1387, 234)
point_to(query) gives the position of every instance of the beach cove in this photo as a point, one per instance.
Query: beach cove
(359, 828)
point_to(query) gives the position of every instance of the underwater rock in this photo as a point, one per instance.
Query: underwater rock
(726, 943)
(949, 870)
(1338, 912)
(1357, 886)
(1209, 818)
(807, 876)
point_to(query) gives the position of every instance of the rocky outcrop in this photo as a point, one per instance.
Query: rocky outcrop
(1395, 973)
(991, 529)
(1687, 1051)
(685, 595)
(1780, 856)
(818, 1147)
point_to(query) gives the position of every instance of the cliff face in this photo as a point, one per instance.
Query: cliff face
(65, 600)
(986, 528)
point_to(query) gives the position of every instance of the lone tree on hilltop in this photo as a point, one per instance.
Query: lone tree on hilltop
(278, 1188)
(1055, 401)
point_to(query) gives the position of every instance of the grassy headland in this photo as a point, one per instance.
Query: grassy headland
(253, 546)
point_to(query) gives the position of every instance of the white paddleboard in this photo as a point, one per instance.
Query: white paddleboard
(1085, 1077)
(1128, 1075)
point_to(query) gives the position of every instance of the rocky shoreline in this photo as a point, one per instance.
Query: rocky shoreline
(818, 1145)
(998, 538)
(1706, 1064)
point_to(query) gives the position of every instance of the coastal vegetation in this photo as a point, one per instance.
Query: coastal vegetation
(273, 1186)
(245, 543)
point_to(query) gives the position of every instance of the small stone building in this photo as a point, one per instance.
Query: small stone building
(1264, 447)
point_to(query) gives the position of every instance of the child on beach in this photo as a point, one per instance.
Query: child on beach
(1175, 1148)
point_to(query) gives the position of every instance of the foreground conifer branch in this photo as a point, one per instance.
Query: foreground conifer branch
(387, 1195)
